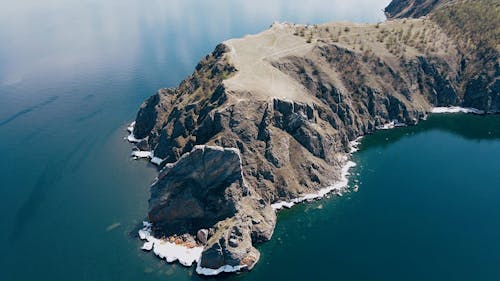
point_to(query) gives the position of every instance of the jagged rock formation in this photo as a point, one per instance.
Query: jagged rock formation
(474, 29)
(269, 117)
(412, 8)
(205, 188)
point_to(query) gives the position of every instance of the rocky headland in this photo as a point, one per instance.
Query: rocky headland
(269, 120)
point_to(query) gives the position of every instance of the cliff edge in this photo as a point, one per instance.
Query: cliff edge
(267, 120)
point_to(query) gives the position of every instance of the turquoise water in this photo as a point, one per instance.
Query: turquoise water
(72, 75)
(426, 209)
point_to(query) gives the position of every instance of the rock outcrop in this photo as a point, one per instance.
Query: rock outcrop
(412, 8)
(205, 189)
(268, 118)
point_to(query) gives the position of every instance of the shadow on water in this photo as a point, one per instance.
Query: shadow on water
(89, 116)
(51, 174)
(472, 127)
(28, 110)
(54, 171)
(88, 97)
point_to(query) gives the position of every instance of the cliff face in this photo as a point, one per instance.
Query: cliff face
(412, 8)
(269, 118)
(474, 27)
(205, 189)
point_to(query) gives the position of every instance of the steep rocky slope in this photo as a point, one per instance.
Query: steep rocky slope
(412, 8)
(268, 118)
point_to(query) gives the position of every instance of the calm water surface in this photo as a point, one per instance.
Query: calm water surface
(72, 75)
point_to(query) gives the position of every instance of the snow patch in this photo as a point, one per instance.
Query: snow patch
(211, 272)
(457, 109)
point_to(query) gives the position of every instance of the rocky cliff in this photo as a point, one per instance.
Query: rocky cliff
(269, 118)
(412, 8)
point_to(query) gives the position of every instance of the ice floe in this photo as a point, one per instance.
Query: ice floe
(211, 272)
(140, 154)
(156, 160)
(171, 252)
(391, 125)
(457, 109)
(136, 154)
(131, 137)
(130, 127)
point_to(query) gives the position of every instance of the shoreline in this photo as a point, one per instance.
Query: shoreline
(457, 109)
(340, 186)
(186, 256)
(172, 252)
(137, 154)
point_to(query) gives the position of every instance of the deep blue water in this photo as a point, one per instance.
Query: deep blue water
(72, 75)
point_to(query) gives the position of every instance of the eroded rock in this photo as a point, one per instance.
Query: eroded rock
(206, 188)
(253, 126)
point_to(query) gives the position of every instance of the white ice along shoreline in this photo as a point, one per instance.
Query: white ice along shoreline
(167, 250)
(136, 154)
(342, 184)
(131, 137)
(172, 252)
(186, 256)
(338, 186)
(211, 272)
(391, 125)
(457, 109)
(451, 109)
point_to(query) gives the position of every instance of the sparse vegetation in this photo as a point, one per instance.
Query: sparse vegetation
(478, 20)
(309, 38)
(475, 26)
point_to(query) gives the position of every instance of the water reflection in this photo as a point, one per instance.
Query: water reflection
(71, 74)
(468, 126)
(58, 36)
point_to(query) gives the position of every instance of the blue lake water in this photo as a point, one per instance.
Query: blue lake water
(72, 75)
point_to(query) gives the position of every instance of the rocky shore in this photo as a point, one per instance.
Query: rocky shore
(269, 120)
